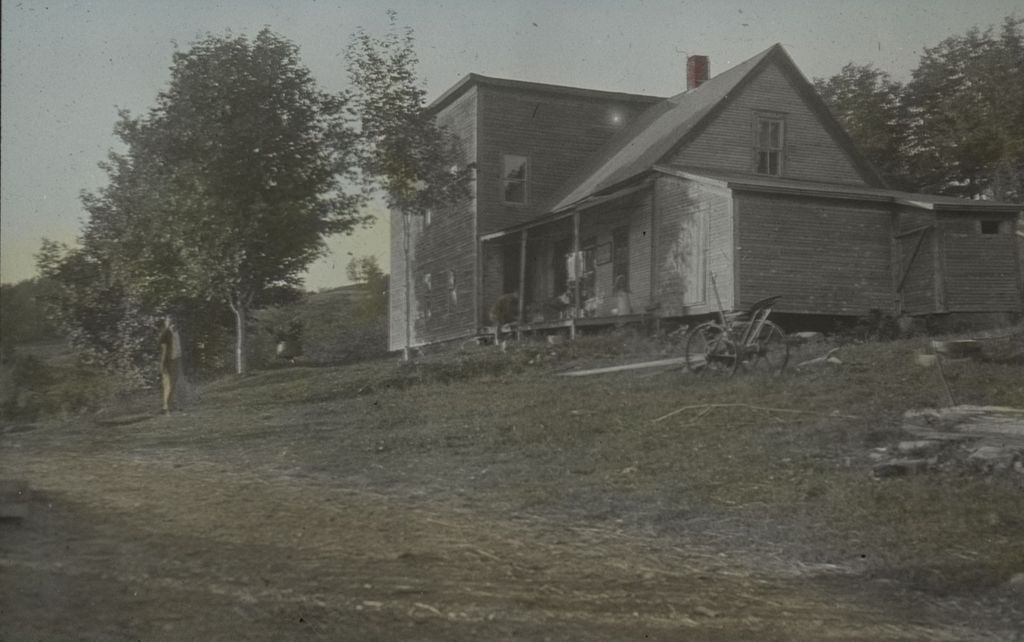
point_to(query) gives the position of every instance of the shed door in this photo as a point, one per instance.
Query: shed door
(916, 284)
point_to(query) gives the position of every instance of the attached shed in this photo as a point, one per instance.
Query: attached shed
(957, 256)
(837, 250)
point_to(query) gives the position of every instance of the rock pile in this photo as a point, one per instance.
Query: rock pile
(967, 439)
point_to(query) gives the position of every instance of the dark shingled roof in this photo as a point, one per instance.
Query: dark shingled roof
(653, 134)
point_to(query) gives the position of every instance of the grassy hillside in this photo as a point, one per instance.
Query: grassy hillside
(337, 326)
(788, 471)
(476, 494)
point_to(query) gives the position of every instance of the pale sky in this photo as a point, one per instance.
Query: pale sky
(67, 67)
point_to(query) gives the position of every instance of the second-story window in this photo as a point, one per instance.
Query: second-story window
(513, 178)
(768, 145)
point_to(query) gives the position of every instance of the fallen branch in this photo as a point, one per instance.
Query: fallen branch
(709, 406)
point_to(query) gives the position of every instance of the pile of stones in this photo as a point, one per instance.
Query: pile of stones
(968, 439)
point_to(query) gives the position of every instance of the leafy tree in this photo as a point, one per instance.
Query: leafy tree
(229, 185)
(93, 311)
(22, 312)
(868, 103)
(966, 99)
(416, 162)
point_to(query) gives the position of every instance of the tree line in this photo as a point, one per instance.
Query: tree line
(956, 127)
(225, 190)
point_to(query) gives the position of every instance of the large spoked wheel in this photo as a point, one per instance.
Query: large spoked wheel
(709, 350)
(766, 353)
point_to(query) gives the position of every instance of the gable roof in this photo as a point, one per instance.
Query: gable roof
(668, 125)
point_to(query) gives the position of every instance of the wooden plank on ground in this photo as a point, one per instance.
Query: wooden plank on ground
(661, 363)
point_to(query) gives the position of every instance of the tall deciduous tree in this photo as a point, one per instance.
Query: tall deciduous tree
(416, 162)
(868, 104)
(231, 183)
(966, 98)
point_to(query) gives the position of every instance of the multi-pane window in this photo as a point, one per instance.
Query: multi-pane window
(513, 178)
(768, 145)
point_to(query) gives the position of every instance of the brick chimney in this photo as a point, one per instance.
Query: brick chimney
(698, 70)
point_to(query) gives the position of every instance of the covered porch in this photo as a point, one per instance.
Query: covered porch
(590, 266)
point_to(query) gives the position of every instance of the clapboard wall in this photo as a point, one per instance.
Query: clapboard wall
(443, 247)
(823, 256)
(810, 152)
(980, 270)
(558, 132)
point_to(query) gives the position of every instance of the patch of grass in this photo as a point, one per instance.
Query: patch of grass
(773, 462)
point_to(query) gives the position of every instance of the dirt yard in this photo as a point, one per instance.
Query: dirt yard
(346, 503)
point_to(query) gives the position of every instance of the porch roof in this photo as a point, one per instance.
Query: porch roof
(769, 184)
(774, 185)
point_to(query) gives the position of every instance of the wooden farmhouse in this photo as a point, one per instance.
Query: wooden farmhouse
(597, 207)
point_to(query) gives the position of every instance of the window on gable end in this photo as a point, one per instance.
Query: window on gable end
(514, 173)
(769, 140)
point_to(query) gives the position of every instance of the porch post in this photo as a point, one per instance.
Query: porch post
(577, 268)
(522, 283)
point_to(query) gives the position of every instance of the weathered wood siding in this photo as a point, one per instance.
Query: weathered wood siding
(694, 239)
(448, 243)
(556, 133)
(981, 272)
(599, 223)
(920, 294)
(810, 152)
(823, 256)
(397, 284)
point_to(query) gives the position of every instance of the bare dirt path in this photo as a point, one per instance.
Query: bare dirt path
(172, 544)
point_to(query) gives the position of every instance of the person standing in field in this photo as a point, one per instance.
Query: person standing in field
(170, 361)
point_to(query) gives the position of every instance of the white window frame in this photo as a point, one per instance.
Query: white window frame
(505, 180)
(769, 147)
